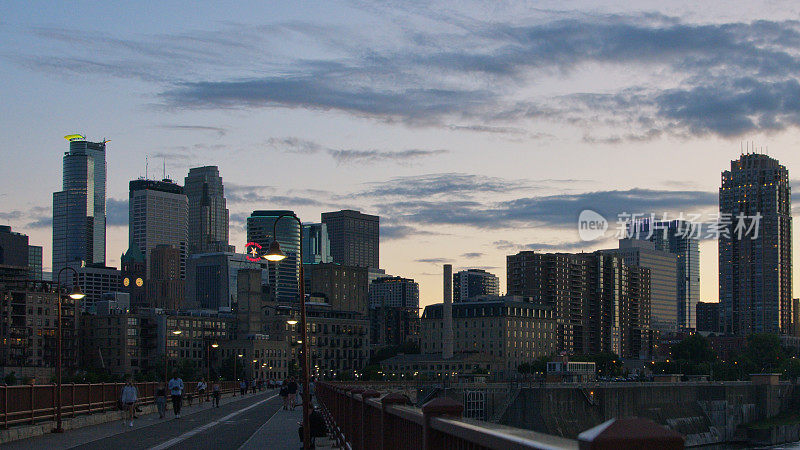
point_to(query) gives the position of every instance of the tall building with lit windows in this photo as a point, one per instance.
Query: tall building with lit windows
(79, 209)
(158, 215)
(755, 247)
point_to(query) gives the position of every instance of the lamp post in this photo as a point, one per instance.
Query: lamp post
(75, 294)
(275, 254)
(166, 347)
(208, 365)
(235, 379)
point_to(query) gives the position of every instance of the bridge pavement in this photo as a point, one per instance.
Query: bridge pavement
(256, 421)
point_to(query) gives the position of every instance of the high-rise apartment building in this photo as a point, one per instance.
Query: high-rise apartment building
(79, 209)
(208, 214)
(663, 285)
(316, 245)
(472, 283)
(679, 237)
(599, 302)
(284, 275)
(393, 311)
(354, 237)
(755, 247)
(158, 215)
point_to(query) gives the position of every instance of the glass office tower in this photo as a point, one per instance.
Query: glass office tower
(284, 275)
(79, 209)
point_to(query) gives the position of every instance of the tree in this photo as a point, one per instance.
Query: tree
(695, 349)
(764, 353)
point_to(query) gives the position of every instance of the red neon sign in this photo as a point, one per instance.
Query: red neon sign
(253, 251)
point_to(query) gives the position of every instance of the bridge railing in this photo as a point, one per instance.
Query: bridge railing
(366, 419)
(34, 403)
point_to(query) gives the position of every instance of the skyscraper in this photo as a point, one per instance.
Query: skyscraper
(471, 283)
(755, 247)
(663, 285)
(79, 209)
(284, 275)
(354, 237)
(681, 238)
(316, 245)
(165, 288)
(158, 215)
(208, 215)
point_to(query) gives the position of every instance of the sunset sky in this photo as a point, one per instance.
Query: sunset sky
(474, 129)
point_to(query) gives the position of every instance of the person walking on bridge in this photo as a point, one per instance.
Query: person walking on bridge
(128, 399)
(176, 391)
(161, 400)
(215, 391)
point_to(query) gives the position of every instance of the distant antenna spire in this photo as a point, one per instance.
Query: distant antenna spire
(145, 166)
(164, 170)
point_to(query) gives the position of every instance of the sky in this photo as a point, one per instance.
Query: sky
(473, 129)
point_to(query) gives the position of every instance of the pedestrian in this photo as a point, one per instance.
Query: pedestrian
(176, 392)
(284, 392)
(129, 397)
(215, 391)
(201, 391)
(253, 386)
(243, 387)
(292, 389)
(161, 400)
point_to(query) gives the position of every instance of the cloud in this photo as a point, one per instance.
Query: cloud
(377, 156)
(434, 260)
(41, 222)
(11, 215)
(472, 255)
(239, 193)
(341, 156)
(446, 184)
(553, 211)
(542, 246)
(468, 74)
(117, 212)
(216, 130)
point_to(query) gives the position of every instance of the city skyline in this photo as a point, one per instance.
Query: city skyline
(438, 160)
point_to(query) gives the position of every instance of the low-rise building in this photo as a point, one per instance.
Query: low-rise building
(124, 342)
(28, 325)
(338, 340)
(431, 366)
(260, 357)
(512, 329)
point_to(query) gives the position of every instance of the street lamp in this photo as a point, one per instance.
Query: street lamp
(75, 294)
(166, 349)
(235, 379)
(208, 365)
(275, 254)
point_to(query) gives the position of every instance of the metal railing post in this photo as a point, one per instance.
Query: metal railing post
(388, 400)
(633, 432)
(365, 395)
(440, 406)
